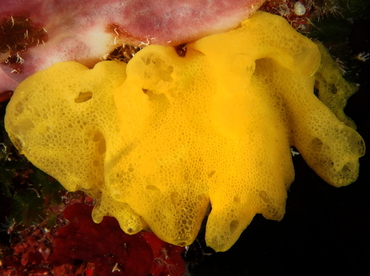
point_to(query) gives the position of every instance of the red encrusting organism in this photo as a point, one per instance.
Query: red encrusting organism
(78, 246)
(111, 250)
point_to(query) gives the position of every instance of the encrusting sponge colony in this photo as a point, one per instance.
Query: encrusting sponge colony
(159, 140)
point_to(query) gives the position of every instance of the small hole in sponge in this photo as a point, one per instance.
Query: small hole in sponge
(175, 198)
(237, 199)
(211, 173)
(317, 143)
(147, 91)
(129, 231)
(83, 97)
(19, 107)
(102, 147)
(263, 195)
(233, 226)
(346, 169)
(99, 138)
(332, 89)
(152, 188)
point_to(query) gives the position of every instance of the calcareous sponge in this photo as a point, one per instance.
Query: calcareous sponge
(159, 141)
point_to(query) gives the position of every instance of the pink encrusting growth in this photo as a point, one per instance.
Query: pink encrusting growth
(35, 34)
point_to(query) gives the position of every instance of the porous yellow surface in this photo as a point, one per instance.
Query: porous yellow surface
(166, 139)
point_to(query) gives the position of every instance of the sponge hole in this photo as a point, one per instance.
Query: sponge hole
(175, 198)
(317, 143)
(152, 188)
(332, 88)
(211, 174)
(357, 144)
(147, 91)
(346, 169)
(263, 195)
(24, 126)
(234, 226)
(237, 199)
(83, 97)
(19, 107)
(102, 146)
(100, 140)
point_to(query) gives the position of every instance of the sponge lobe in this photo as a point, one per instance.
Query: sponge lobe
(56, 125)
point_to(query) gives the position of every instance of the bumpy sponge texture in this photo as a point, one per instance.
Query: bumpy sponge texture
(161, 140)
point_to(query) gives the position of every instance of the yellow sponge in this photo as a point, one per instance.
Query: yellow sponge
(161, 140)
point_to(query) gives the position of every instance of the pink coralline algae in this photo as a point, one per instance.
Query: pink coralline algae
(35, 34)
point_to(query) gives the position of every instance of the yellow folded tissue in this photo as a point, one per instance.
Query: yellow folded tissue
(165, 140)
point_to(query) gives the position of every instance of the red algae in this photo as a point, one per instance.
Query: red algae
(75, 245)
(103, 244)
(111, 250)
